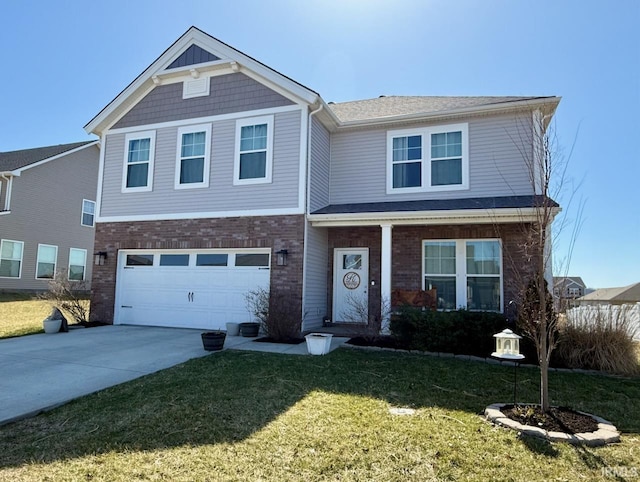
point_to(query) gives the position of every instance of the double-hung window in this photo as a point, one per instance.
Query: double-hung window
(464, 273)
(11, 258)
(47, 259)
(254, 150)
(432, 158)
(139, 152)
(88, 213)
(77, 264)
(193, 156)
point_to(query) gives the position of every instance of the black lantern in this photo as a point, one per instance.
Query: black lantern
(281, 257)
(99, 258)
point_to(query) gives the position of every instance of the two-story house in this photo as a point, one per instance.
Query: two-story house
(219, 174)
(47, 214)
(566, 290)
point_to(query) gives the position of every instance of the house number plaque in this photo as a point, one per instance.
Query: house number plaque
(351, 280)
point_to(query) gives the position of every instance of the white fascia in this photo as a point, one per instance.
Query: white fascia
(462, 216)
(200, 215)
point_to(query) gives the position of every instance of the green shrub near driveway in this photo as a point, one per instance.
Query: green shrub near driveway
(460, 332)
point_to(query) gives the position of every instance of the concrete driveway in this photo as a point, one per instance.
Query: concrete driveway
(39, 372)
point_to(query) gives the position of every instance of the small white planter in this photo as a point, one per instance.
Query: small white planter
(52, 326)
(318, 343)
(233, 329)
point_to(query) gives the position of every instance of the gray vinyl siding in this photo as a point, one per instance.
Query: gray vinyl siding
(316, 283)
(228, 94)
(221, 195)
(3, 193)
(496, 165)
(46, 208)
(320, 163)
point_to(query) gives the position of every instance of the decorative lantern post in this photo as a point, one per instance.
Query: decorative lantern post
(508, 349)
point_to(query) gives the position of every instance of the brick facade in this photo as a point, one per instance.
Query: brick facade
(406, 255)
(275, 232)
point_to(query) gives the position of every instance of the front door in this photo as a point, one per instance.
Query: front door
(350, 285)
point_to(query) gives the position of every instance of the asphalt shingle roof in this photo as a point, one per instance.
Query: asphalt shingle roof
(502, 202)
(12, 160)
(389, 106)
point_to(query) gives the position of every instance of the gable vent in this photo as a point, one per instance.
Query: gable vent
(193, 55)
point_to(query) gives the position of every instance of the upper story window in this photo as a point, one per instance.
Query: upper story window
(46, 264)
(428, 159)
(88, 213)
(254, 150)
(193, 156)
(77, 264)
(11, 258)
(138, 161)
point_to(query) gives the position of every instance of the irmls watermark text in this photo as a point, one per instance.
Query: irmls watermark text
(620, 471)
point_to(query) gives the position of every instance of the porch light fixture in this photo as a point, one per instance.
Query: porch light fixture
(281, 257)
(99, 258)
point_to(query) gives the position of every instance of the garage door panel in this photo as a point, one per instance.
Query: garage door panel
(203, 297)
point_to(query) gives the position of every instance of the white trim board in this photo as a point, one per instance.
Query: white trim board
(201, 215)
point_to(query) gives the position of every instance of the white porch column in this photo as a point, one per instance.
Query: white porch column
(385, 277)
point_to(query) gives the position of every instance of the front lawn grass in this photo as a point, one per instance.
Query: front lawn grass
(21, 314)
(260, 416)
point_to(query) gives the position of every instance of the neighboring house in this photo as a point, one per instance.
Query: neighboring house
(218, 174)
(566, 289)
(47, 214)
(626, 295)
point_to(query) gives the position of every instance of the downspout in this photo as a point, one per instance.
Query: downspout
(7, 196)
(306, 209)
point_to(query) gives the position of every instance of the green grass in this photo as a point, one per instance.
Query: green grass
(269, 417)
(21, 314)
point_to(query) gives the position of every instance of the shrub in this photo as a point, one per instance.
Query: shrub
(460, 332)
(70, 297)
(600, 338)
(276, 312)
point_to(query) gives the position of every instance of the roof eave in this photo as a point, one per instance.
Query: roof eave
(458, 216)
(490, 108)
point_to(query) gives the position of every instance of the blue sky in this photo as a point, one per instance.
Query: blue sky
(63, 61)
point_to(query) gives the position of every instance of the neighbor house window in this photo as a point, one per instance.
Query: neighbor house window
(464, 273)
(88, 213)
(428, 159)
(193, 157)
(46, 264)
(138, 161)
(77, 264)
(254, 151)
(11, 258)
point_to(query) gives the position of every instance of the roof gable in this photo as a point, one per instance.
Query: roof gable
(192, 49)
(14, 160)
(194, 55)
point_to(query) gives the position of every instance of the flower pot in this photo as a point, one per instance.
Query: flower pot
(318, 343)
(250, 330)
(233, 329)
(52, 326)
(213, 340)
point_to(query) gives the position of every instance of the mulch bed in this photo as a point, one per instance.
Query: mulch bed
(557, 419)
(379, 341)
(88, 324)
(285, 341)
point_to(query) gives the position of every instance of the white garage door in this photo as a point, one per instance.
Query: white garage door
(188, 289)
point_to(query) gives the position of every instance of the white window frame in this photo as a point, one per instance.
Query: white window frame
(251, 121)
(84, 212)
(84, 272)
(426, 160)
(133, 136)
(55, 262)
(461, 268)
(21, 243)
(206, 128)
